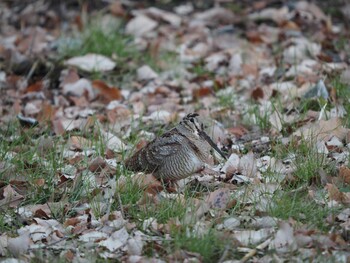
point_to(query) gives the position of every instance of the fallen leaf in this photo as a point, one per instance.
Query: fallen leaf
(215, 16)
(113, 142)
(11, 197)
(275, 120)
(219, 199)
(108, 93)
(161, 117)
(252, 237)
(231, 165)
(257, 93)
(146, 73)
(247, 165)
(79, 88)
(93, 236)
(336, 195)
(19, 245)
(169, 17)
(148, 182)
(284, 240)
(140, 25)
(35, 87)
(116, 240)
(344, 174)
(79, 143)
(202, 92)
(97, 164)
(91, 62)
(323, 130)
(3, 244)
(117, 9)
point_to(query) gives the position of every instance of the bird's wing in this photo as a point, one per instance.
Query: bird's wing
(162, 148)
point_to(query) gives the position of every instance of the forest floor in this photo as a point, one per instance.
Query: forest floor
(84, 84)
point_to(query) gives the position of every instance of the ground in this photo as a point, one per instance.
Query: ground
(85, 84)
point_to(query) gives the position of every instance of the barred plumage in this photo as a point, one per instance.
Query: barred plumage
(176, 154)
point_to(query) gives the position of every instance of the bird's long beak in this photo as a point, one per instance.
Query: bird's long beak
(206, 137)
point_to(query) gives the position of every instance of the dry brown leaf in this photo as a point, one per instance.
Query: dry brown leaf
(108, 93)
(79, 143)
(72, 221)
(58, 127)
(97, 164)
(39, 181)
(323, 130)
(117, 9)
(257, 93)
(69, 256)
(238, 131)
(69, 76)
(254, 37)
(148, 182)
(219, 199)
(336, 195)
(11, 197)
(47, 112)
(202, 92)
(344, 174)
(35, 87)
(119, 115)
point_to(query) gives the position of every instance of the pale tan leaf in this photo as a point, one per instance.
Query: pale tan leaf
(91, 62)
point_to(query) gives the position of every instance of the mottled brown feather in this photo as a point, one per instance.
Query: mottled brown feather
(176, 154)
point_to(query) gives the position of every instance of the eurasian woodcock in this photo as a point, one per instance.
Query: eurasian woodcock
(176, 154)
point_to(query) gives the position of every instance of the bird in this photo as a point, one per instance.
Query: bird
(177, 153)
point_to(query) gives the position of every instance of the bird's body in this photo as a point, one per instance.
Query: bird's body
(176, 154)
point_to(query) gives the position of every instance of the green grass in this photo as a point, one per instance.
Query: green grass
(96, 38)
(209, 245)
(287, 202)
(308, 162)
(7, 222)
(300, 207)
(226, 98)
(22, 154)
(343, 96)
(199, 69)
(254, 116)
(112, 42)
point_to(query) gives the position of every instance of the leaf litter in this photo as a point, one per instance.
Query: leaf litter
(269, 83)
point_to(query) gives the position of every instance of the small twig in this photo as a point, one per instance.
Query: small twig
(32, 69)
(255, 250)
(322, 111)
(297, 190)
(5, 203)
(121, 205)
(32, 43)
(224, 254)
(110, 201)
